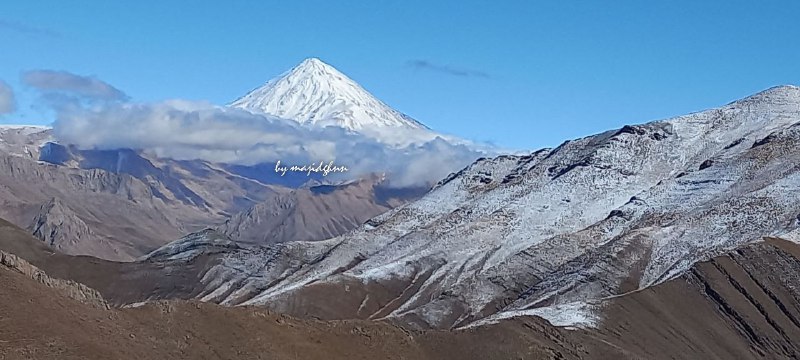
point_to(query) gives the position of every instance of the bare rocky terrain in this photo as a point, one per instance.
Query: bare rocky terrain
(316, 212)
(122, 213)
(743, 305)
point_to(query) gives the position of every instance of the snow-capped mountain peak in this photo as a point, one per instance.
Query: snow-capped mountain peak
(315, 93)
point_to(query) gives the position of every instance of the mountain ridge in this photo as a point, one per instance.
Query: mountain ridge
(544, 233)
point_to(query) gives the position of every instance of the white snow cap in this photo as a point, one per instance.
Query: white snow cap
(315, 93)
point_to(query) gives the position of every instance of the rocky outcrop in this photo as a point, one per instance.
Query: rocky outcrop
(59, 227)
(69, 288)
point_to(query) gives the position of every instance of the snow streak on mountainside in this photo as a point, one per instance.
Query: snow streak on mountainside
(314, 93)
(552, 232)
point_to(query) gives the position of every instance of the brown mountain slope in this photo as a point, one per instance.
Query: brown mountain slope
(121, 204)
(69, 288)
(119, 282)
(94, 212)
(42, 322)
(316, 212)
(742, 305)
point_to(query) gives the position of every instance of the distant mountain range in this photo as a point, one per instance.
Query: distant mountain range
(75, 199)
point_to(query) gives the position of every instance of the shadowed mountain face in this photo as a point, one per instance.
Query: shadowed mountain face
(316, 212)
(266, 174)
(192, 183)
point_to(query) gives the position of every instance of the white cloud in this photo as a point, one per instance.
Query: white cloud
(62, 81)
(185, 130)
(193, 130)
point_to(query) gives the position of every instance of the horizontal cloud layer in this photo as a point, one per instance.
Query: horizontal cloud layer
(184, 130)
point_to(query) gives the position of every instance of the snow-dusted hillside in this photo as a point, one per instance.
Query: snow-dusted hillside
(23, 140)
(551, 232)
(316, 94)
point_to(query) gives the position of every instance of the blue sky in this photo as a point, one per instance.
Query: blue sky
(523, 74)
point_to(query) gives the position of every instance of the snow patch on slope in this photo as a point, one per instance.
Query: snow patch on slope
(572, 315)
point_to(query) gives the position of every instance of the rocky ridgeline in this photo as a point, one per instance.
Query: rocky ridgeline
(71, 289)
